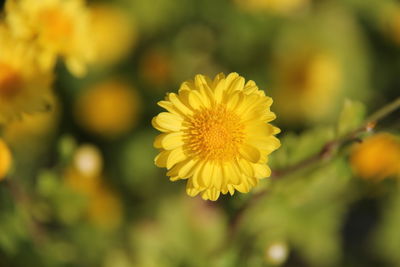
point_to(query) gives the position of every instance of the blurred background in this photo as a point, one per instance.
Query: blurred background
(83, 190)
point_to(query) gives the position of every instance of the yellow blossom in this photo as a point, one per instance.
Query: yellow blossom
(24, 88)
(108, 109)
(216, 135)
(33, 129)
(113, 33)
(306, 82)
(377, 157)
(5, 159)
(56, 28)
(278, 6)
(105, 208)
(391, 21)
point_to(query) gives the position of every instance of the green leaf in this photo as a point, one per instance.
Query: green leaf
(351, 117)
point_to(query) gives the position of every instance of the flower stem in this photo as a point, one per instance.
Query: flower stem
(326, 152)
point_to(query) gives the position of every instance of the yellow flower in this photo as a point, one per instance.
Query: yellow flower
(109, 108)
(113, 32)
(391, 21)
(23, 87)
(216, 134)
(5, 159)
(278, 6)
(33, 128)
(307, 82)
(377, 157)
(56, 27)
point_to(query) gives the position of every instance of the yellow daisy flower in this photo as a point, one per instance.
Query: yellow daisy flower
(5, 159)
(109, 109)
(277, 6)
(216, 135)
(57, 27)
(113, 33)
(23, 87)
(377, 157)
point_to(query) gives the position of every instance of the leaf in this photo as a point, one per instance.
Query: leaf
(351, 117)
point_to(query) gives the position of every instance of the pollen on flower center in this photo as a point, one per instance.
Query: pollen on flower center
(10, 81)
(215, 134)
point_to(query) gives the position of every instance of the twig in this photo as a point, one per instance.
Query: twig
(327, 152)
(21, 197)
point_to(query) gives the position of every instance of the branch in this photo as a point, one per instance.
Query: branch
(22, 198)
(326, 152)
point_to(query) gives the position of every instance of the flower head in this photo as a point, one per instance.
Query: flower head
(276, 6)
(24, 88)
(378, 157)
(5, 159)
(216, 135)
(111, 48)
(109, 108)
(56, 27)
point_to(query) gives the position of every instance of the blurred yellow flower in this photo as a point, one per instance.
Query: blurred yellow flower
(391, 21)
(33, 128)
(278, 6)
(24, 88)
(377, 157)
(5, 159)
(114, 33)
(56, 27)
(105, 208)
(307, 86)
(108, 109)
(216, 134)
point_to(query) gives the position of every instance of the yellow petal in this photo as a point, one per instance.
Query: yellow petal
(190, 189)
(242, 188)
(183, 169)
(261, 171)
(211, 194)
(233, 101)
(161, 159)
(250, 153)
(207, 173)
(196, 101)
(167, 122)
(265, 144)
(245, 167)
(179, 105)
(175, 156)
(169, 107)
(169, 141)
(238, 84)
(219, 90)
(231, 189)
(218, 179)
(232, 172)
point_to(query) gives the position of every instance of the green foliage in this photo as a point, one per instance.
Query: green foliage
(351, 117)
(387, 235)
(45, 222)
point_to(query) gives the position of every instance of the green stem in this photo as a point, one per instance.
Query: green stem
(327, 152)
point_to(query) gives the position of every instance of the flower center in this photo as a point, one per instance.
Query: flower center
(10, 81)
(57, 26)
(215, 134)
